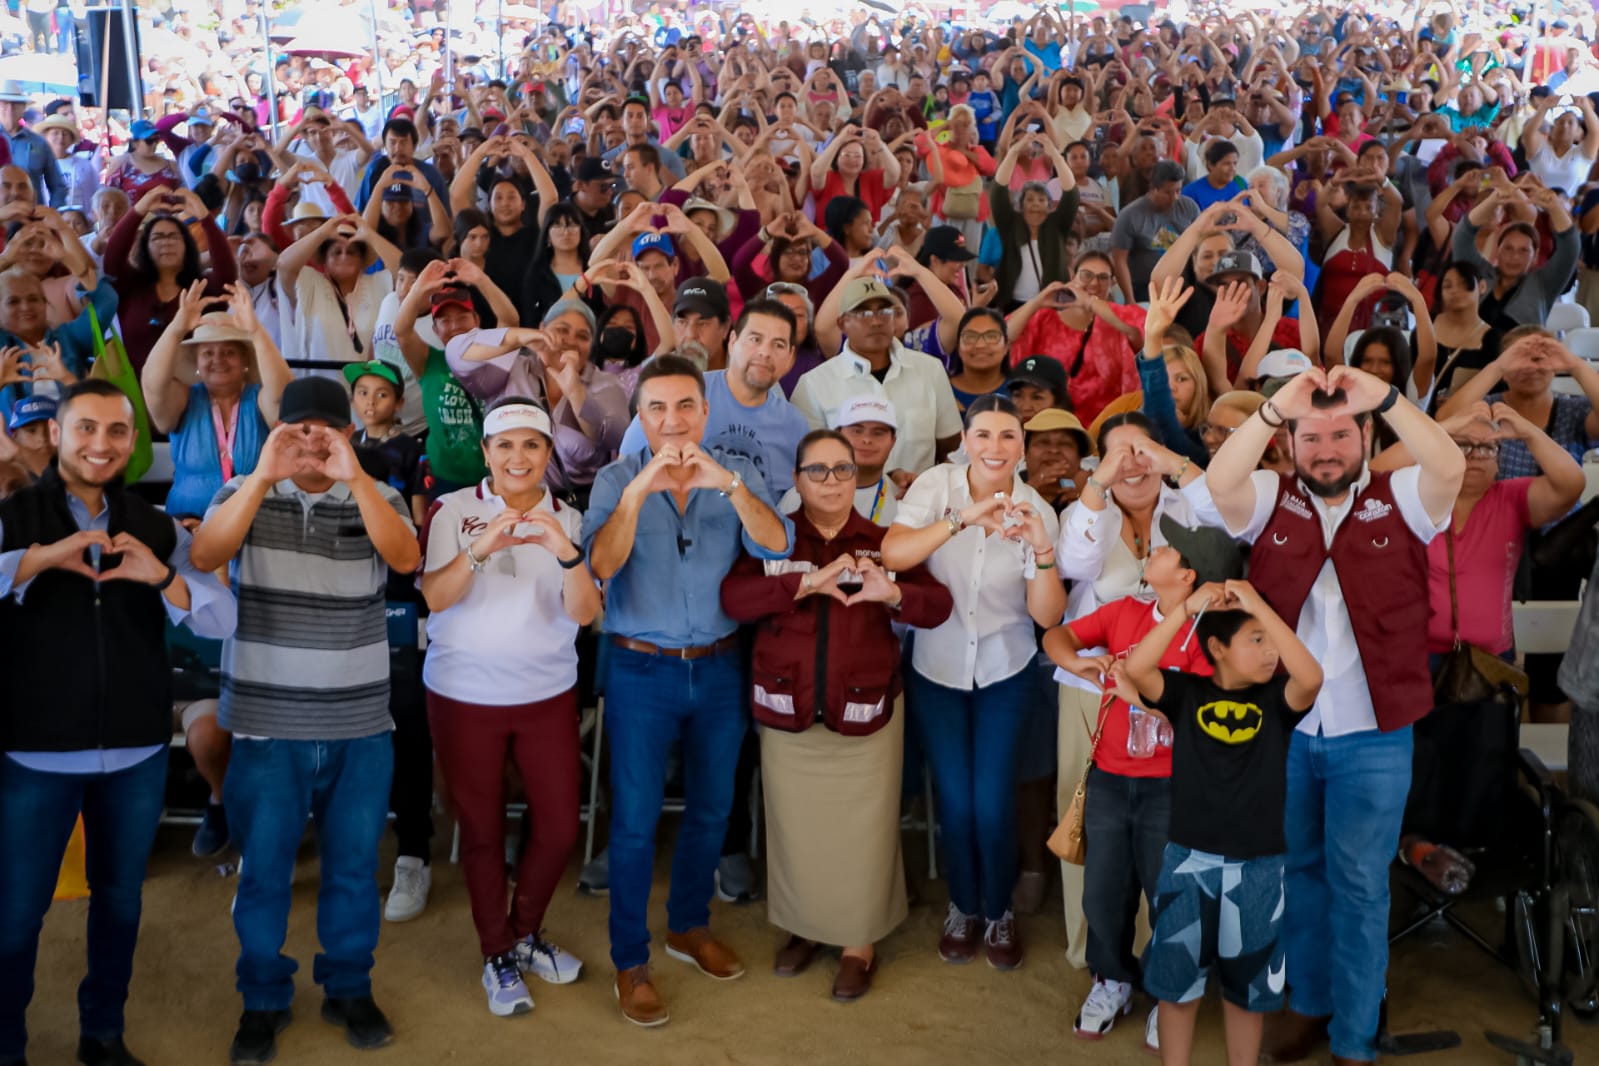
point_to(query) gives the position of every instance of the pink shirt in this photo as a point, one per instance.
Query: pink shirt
(1487, 553)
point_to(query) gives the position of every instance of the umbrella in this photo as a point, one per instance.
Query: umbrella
(38, 72)
(334, 33)
(298, 21)
(320, 44)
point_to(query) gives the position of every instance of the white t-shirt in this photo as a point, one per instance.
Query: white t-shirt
(509, 640)
(1568, 172)
(386, 346)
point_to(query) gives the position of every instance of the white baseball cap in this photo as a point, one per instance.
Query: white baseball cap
(868, 408)
(516, 416)
(1283, 363)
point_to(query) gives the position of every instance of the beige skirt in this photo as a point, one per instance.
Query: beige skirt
(834, 872)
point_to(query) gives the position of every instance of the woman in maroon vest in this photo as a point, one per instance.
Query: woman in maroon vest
(826, 676)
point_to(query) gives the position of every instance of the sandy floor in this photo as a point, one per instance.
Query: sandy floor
(184, 1009)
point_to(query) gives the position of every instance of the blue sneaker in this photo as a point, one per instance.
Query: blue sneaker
(212, 836)
(508, 995)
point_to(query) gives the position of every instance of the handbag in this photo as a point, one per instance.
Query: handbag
(1467, 673)
(963, 202)
(1067, 841)
(111, 364)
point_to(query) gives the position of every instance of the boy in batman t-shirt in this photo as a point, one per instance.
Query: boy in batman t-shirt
(1219, 900)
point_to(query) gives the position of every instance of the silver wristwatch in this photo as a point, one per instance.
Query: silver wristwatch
(732, 486)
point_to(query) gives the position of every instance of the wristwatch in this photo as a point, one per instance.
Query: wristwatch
(732, 486)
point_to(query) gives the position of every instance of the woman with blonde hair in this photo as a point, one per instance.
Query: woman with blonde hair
(1176, 392)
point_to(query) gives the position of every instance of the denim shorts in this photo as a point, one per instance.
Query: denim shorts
(1221, 913)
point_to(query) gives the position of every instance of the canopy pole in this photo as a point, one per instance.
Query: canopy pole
(271, 86)
(135, 81)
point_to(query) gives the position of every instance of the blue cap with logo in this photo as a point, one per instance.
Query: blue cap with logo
(28, 410)
(653, 242)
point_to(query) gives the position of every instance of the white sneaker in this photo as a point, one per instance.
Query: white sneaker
(1106, 1001)
(409, 896)
(1152, 1030)
(503, 982)
(536, 955)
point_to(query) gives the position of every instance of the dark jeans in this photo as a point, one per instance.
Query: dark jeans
(411, 795)
(37, 812)
(1125, 826)
(271, 788)
(970, 739)
(651, 701)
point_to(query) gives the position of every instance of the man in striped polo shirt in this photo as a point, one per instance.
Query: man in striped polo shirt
(305, 693)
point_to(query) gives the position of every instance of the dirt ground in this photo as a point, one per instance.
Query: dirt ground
(184, 1008)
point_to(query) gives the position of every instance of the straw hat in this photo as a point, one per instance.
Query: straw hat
(58, 122)
(219, 327)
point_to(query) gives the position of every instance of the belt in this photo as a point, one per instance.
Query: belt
(699, 652)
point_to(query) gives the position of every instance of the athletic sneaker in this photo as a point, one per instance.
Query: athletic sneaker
(534, 954)
(1152, 1030)
(735, 879)
(502, 980)
(409, 896)
(595, 877)
(1106, 1001)
(212, 835)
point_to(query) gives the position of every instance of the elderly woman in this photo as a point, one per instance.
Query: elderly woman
(1268, 200)
(826, 677)
(333, 307)
(153, 256)
(959, 167)
(501, 564)
(989, 537)
(1027, 247)
(1076, 323)
(552, 364)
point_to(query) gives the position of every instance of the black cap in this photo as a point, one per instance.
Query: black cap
(704, 297)
(1209, 552)
(948, 243)
(305, 399)
(1042, 371)
(593, 168)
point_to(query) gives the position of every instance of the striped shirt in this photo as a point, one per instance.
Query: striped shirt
(310, 657)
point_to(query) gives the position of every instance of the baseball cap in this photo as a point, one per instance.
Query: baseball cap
(1237, 263)
(594, 168)
(704, 297)
(1283, 363)
(948, 243)
(319, 398)
(142, 130)
(863, 291)
(1053, 418)
(653, 242)
(201, 116)
(376, 368)
(1042, 371)
(1209, 551)
(516, 416)
(28, 410)
(868, 408)
(397, 193)
(451, 294)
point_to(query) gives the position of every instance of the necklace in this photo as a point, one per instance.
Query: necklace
(828, 533)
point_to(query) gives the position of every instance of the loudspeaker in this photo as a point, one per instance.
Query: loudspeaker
(90, 36)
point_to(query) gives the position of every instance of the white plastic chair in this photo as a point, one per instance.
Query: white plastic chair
(161, 469)
(1566, 317)
(1544, 626)
(1583, 342)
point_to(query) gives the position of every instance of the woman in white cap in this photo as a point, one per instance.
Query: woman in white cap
(509, 590)
(216, 393)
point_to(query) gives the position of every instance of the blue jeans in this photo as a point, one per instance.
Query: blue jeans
(1346, 797)
(37, 812)
(1125, 827)
(650, 701)
(272, 788)
(970, 739)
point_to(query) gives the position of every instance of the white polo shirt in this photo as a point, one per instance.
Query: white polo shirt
(917, 384)
(509, 640)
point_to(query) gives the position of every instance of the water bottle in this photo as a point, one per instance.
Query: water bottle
(1146, 733)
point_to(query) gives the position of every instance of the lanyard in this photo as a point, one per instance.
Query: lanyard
(225, 437)
(1038, 269)
(877, 500)
(349, 319)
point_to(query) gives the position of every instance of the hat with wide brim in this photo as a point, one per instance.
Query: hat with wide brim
(725, 219)
(219, 327)
(58, 122)
(11, 92)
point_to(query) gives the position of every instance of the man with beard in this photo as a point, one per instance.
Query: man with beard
(1340, 552)
(80, 555)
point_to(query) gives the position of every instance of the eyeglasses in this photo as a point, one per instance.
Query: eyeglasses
(987, 336)
(1211, 429)
(1478, 451)
(884, 313)
(1090, 275)
(818, 472)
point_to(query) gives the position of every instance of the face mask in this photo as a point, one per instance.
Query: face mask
(616, 343)
(248, 171)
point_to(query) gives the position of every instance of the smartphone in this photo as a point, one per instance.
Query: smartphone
(1064, 297)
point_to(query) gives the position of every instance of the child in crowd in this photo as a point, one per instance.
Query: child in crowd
(1220, 898)
(376, 396)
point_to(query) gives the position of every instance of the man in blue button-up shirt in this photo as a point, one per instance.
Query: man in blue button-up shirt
(664, 527)
(30, 151)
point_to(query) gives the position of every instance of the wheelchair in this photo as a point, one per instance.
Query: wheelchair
(1536, 853)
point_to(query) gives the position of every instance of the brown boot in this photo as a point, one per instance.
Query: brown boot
(640, 1003)
(711, 956)
(1291, 1037)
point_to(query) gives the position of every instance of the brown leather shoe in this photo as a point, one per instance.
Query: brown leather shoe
(794, 956)
(854, 978)
(636, 995)
(1292, 1037)
(959, 942)
(711, 956)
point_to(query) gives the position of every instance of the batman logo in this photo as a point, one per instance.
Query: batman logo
(1229, 722)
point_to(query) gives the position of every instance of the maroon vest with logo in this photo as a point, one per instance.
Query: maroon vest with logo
(1382, 570)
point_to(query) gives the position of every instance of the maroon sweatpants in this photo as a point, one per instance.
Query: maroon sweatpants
(473, 743)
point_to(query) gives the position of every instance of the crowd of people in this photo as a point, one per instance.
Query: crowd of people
(1132, 420)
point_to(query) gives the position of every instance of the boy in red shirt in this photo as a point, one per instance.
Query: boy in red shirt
(1128, 804)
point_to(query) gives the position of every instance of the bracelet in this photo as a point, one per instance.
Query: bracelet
(473, 561)
(166, 582)
(1102, 490)
(1388, 404)
(1043, 566)
(1181, 470)
(1273, 407)
(572, 563)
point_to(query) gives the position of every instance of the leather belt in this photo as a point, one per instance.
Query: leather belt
(698, 652)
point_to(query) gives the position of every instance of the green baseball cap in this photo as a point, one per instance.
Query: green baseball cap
(375, 368)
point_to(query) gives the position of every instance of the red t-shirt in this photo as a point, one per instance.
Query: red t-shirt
(1118, 627)
(870, 187)
(1487, 553)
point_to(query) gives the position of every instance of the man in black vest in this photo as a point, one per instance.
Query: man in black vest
(89, 574)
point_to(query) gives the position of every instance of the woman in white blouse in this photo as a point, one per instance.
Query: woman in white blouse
(1105, 540)
(988, 537)
(508, 590)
